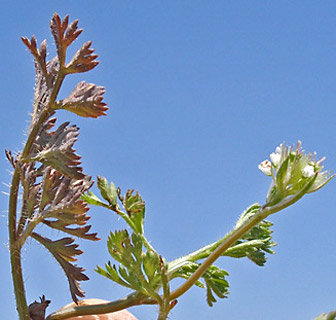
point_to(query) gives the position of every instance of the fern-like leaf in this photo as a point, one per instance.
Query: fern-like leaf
(85, 100)
(64, 251)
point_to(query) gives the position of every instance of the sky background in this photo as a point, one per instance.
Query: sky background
(200, 92)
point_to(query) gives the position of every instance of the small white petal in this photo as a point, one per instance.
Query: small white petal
(308, 171)
(275, 157)
(266, 167)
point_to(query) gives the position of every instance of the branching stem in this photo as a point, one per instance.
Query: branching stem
(137, 299)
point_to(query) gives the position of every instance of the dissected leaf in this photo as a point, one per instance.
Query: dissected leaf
(108, 191)
(80, 232)
(216, 284)
(138, 270)
(83, 60)
(119, 246)
(44, 136)
(63, 34)
(255, 243)
(151, 265)
(135, 208)
(91, 198)
(64, 251)
(45, 75)
(39, 54)
(85, 100)
(214, 278)
(112, 274)
(12, 160)
(58, 151)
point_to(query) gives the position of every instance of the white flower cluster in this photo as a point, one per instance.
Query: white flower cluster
(266, 166)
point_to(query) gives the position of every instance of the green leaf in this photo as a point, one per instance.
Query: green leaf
(91, 198)
(108, 192)
(112, 274)
(117, 244)
(216, 284)
(255, 243)
(135, 208)
(214, 278)
(186, 271)
(151, 266)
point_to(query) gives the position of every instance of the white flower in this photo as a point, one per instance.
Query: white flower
(266, 167)
(308, 171)
(276, 156)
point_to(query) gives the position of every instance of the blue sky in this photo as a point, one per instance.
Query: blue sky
(200, 92)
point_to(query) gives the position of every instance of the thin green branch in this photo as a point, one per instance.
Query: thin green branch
(236, 234)
(15, 253)
(129, 301)
(129, 221)
(165, 302)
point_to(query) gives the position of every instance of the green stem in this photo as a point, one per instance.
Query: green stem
(15, 253)
(21, 302)
(131, 300)
(235, 235)
(164, 305)
(133, 226)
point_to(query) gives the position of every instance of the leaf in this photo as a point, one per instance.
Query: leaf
(214, 278)
(85, 100)
(186, 272)
(120, 246)
(255, 243)
(64, 251)
(12, 160)
(45, 76)
(83, 60)
(135, 208)
(151, 265)
(108, 192)
(91, 198)
(216, 284)
(112, 274)
(39, 54)
(44, 136)
(63, 34)
(80, 232)
(58, 151)
(132, 278)
(137, 270)
(62, 193)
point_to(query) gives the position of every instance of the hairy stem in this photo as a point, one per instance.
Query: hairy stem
(235, 235)
(131, 300)
(15, 249)
(164, 305)
(15, 252)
